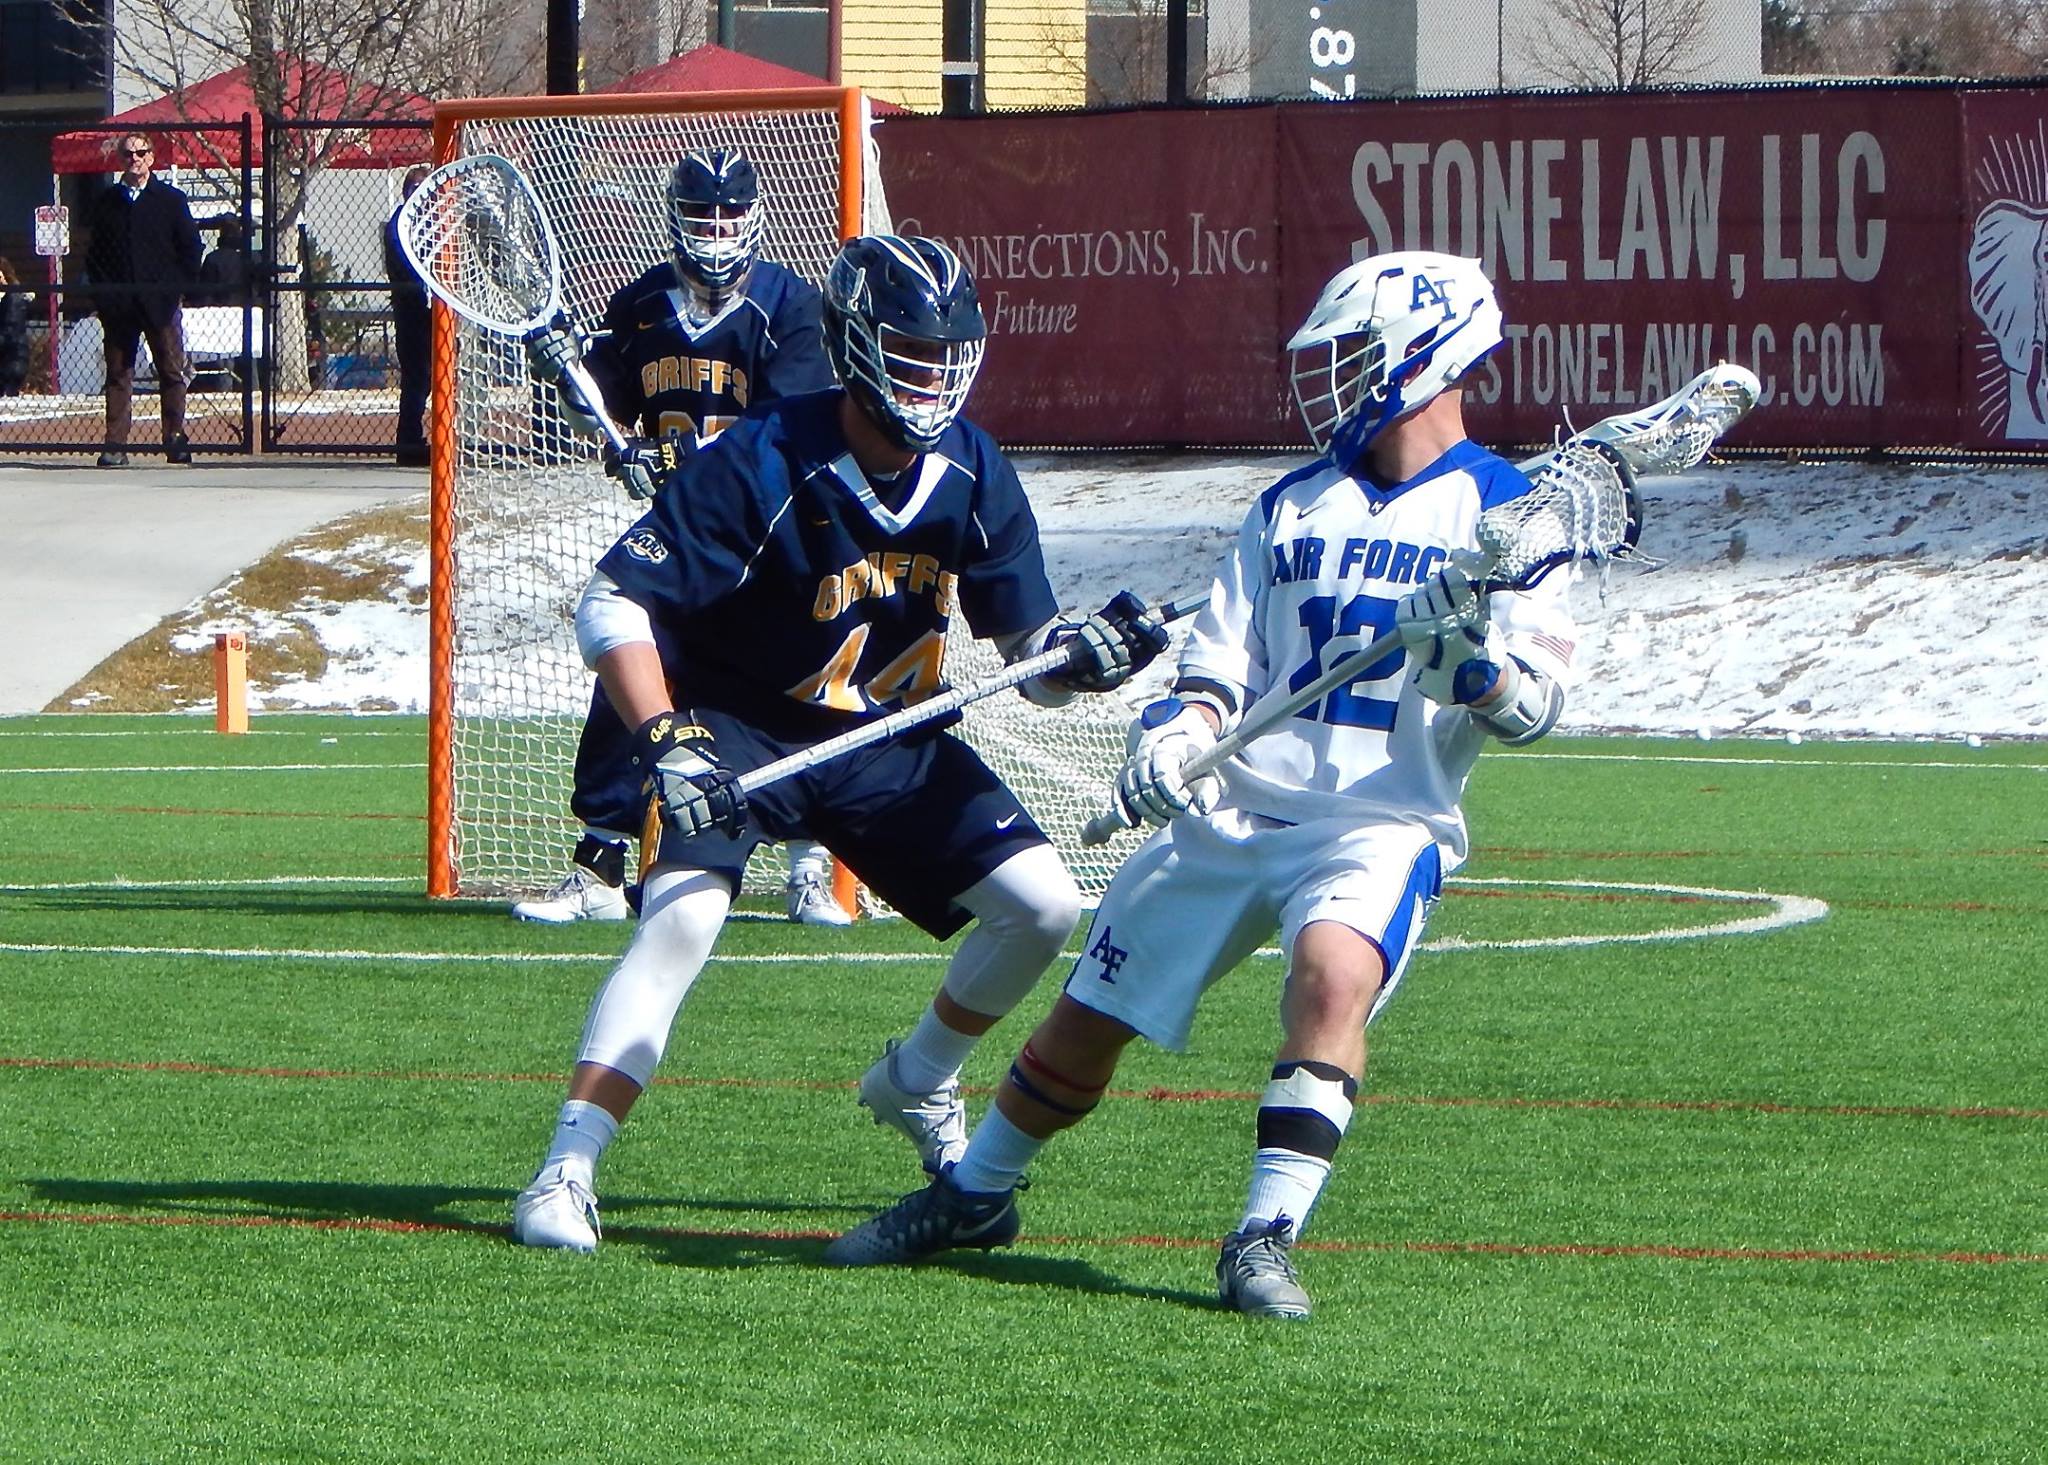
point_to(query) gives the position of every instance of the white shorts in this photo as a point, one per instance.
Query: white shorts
(1201, 895)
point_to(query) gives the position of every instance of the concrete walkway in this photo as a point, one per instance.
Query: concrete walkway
(90, 558)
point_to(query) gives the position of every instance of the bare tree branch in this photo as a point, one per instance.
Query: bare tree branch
(1619, 43)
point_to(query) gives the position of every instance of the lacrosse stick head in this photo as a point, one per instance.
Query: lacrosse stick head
(475, 234)
(1675, 434)
(1581, 507)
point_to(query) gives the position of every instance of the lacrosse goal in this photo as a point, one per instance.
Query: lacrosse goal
(521, 509)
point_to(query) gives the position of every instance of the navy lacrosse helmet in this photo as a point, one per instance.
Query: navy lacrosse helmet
(715, 219)
(903, 328)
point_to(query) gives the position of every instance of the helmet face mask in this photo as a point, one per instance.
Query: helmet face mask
(905, 334)
(715, 222)
(1385, 338)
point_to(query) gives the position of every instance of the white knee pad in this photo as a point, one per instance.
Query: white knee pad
(681, 912)
(1025, 910)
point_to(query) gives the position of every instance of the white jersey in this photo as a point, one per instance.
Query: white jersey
(1324, 555)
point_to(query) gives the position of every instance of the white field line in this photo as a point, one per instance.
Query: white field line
(1979, 767)
(1786, 911)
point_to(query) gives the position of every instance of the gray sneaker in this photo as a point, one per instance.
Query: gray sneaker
(1256, 1275)
(941, 1217)
(935, 1122)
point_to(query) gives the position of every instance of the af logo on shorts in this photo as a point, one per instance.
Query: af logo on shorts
(645, 544)
(1110, 955)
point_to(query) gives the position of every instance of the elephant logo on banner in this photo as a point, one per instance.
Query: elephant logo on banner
(2009, 291)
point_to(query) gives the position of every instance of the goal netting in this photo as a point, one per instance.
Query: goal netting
(522, 509)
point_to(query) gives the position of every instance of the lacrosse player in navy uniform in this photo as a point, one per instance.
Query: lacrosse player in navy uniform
(685, 349)
(1337, 828)
(794, 580)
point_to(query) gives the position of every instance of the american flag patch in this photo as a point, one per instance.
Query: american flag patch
(1556, 645)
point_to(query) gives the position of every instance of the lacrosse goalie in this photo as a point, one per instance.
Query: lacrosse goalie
(686, 348)
(1336, 829)
(794, 582)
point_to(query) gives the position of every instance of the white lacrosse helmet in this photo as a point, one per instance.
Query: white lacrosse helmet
(1384, 338)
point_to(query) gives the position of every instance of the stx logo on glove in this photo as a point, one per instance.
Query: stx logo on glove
(1391, 560)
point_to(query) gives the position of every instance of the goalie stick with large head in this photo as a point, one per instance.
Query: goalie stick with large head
(1581, 507)
(476, 235)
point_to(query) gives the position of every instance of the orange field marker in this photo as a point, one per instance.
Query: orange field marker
(231, 682)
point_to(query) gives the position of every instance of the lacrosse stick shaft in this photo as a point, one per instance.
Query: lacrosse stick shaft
(936, 707)
(579, 377)
(1259, 719)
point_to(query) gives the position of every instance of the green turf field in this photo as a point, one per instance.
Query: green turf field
(1770, 1190)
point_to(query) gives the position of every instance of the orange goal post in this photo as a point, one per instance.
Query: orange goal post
(521, 509)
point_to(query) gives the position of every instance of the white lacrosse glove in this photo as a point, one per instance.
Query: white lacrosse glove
(1457, 653)
(1166, 736)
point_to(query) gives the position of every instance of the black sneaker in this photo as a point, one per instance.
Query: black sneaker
(113, 458)
(414, 455)
(941, 1217)
(178, 449)
(1256, 1275)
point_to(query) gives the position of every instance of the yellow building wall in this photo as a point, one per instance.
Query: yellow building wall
(891, 50)
(1036, 51)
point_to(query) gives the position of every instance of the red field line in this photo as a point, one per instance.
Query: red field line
(1624, 1251)
(1156, 1095)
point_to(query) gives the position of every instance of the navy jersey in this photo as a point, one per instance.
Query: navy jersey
(659, 369)
(788, 590)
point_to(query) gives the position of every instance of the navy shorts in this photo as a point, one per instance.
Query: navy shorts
(605, 793)
(919, 819)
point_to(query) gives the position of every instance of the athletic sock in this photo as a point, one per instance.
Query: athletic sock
(1284, 1183)
(1302, 1118)
(996, 1155)
(931, 1054)
(582, 1130)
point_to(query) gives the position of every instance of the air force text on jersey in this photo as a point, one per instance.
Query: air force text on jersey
(1392, 561)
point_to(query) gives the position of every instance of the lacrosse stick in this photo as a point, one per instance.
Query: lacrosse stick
(1675, 434)
(1582, 506)
(474, 233)
(935, 707)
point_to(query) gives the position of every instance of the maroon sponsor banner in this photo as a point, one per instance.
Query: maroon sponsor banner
(1807, 235)
(2004, 297)
(1865, 250)
(1126, 264)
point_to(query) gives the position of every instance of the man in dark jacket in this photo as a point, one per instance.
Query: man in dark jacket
(412, 329)
(143, 257)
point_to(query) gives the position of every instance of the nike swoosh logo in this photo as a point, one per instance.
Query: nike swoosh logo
(1006, 821)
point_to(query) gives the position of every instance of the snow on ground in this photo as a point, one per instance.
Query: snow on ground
(1830, 599)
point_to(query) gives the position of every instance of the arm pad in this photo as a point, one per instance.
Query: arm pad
(1529, 708)
(605, 619)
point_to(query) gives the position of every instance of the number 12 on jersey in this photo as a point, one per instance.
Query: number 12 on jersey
(1365, 617)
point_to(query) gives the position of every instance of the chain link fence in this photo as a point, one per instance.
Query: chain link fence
(288, 332)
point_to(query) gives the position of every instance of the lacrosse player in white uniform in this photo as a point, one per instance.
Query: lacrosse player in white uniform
(1336, 829)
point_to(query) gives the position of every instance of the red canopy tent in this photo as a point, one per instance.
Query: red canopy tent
(315, 92)
(712, 68)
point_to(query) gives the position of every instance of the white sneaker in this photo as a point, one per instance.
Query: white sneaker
(811, 902)
(935, 1122)
(557, 1211)
(581, 896)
